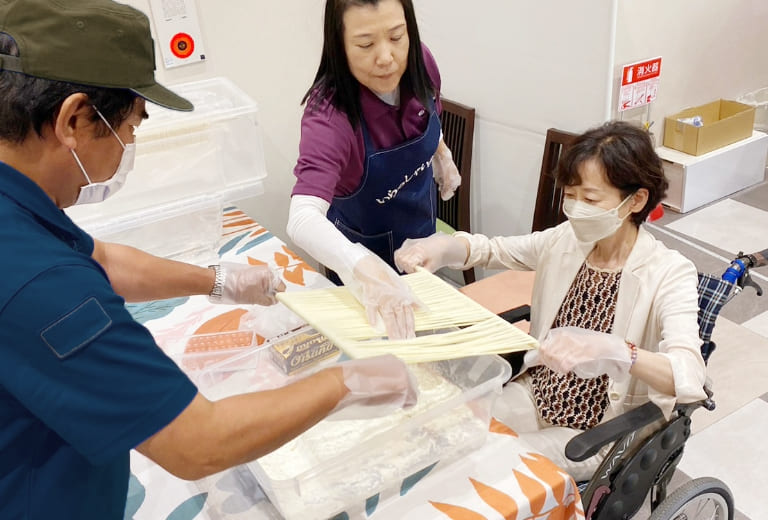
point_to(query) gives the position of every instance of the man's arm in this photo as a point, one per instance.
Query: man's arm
(138, 276)
(208, 437)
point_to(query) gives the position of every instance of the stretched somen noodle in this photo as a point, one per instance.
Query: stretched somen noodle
(449, 324)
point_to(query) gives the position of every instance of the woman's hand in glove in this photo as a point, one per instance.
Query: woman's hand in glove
(431, 253)
(587, 353)
(383, 294)
(445, 172)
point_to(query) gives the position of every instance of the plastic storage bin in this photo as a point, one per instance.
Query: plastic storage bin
(759, 100)
(363, 458)
(189, 165)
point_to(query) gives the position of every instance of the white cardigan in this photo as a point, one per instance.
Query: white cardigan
(656, 306)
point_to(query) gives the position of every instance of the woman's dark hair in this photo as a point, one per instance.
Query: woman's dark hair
(29, 102)
(627, 155)
(335, 82)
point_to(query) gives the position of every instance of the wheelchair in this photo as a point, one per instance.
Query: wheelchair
(646, 447)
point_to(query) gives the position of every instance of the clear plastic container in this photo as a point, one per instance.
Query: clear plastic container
(202, 353)
(759, 100)
(337, 465)
(189, 166)
(186, 230)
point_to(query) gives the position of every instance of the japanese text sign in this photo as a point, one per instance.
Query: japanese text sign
(639, 83)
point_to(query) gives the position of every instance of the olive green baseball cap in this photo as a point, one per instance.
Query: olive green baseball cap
(98, 43)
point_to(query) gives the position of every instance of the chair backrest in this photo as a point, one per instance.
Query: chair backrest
(548, 211)
(458, 123)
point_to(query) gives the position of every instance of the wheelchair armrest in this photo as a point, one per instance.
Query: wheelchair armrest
(517, 314)
(589, 442)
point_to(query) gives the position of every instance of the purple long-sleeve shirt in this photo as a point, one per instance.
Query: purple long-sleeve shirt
(331, 153)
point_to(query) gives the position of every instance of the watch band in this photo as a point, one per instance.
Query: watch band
(218, 284)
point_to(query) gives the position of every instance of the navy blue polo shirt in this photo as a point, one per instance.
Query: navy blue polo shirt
(81, 382)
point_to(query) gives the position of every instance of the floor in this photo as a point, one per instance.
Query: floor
(727, 443)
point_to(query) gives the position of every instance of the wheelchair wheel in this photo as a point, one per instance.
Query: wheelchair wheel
(702, 498)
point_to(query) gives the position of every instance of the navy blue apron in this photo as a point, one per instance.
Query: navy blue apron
(397, 196)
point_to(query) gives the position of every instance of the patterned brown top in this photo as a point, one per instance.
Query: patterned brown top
(568, 400)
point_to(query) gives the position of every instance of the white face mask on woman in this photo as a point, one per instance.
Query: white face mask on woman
(591, 223)
(99, 191)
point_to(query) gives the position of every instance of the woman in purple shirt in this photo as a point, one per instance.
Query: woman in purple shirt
(370, 154)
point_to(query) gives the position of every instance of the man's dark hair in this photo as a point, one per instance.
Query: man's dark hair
(334, 81)
(29, 103)
(626, 153)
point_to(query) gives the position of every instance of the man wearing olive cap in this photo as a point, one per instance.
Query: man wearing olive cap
(82, 383)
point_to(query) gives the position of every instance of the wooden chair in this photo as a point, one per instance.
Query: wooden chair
(548, 211)
(458, 123)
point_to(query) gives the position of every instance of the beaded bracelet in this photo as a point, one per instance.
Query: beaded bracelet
(632, 352)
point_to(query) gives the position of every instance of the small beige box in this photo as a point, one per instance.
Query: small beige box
(302, 350)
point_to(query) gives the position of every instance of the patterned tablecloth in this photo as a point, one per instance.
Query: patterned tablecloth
(504, 479)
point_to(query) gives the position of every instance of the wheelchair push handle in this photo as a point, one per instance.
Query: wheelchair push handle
(738, 272)
(759, 259)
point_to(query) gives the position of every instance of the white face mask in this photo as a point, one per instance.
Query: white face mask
(591, 223)
(100, 191)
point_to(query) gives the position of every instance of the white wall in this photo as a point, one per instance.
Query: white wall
(525, 66)
(710, 49)
(524, 69)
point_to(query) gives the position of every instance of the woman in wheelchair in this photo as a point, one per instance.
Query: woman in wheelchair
(613, 308)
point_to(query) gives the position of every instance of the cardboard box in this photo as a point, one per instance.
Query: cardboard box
(698, 180)
(725, 122)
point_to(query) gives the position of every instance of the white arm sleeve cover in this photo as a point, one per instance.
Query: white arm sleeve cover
(310, 229)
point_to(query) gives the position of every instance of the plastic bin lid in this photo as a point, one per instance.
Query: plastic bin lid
(215, 99)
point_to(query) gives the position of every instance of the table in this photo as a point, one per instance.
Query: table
(503, 291)
(504, 479)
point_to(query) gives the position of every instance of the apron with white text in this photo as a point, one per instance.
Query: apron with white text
(397, 196)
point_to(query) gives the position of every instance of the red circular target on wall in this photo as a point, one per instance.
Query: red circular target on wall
(182, 45)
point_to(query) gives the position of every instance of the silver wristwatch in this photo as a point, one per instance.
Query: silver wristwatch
(218, 284)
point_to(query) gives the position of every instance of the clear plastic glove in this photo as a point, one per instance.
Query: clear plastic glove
(586, 353)
(445, 172)
(431, 253)
(385, 296)
(249, 284)
(377, 386)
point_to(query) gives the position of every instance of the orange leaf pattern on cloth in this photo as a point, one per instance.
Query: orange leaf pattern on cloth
(255, 261)
(298, 259)
(534, 490)
(237, 223)
(500, 427)
(226, 322)
(281, 260)
(295, 275)
(547, 471)
(293, 266)
(457, 512)
(501, 502)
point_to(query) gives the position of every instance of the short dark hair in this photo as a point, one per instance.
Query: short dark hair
(29, 102)
(335, 82)
(626, 153)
